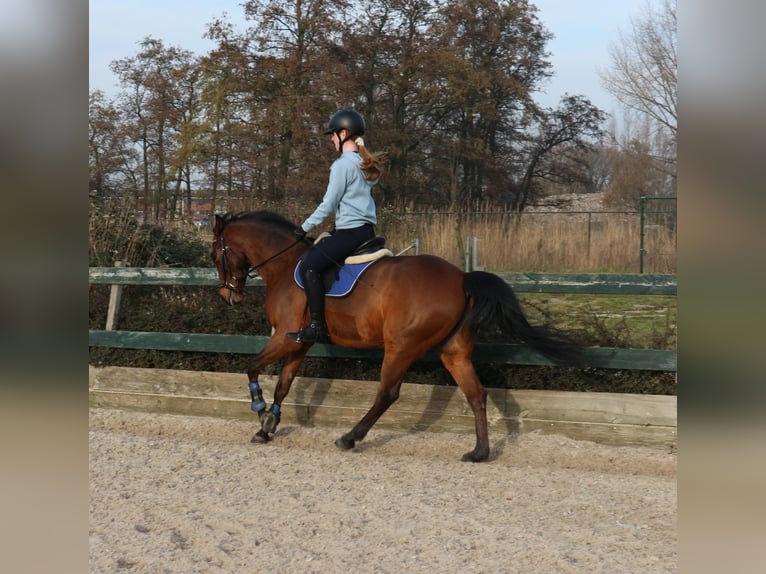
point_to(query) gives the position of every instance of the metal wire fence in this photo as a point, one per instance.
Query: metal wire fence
(574, 241)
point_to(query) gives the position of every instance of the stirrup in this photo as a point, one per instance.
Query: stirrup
(314, 333)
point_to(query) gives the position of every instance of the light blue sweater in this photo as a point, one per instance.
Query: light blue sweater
(348, 194)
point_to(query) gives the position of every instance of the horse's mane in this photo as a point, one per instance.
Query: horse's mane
(265, 217)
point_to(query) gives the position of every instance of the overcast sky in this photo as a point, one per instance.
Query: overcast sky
(583, 30)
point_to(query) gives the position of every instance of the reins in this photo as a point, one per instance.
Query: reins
(252, 270)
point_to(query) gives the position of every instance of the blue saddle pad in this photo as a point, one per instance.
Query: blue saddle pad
(347, 277)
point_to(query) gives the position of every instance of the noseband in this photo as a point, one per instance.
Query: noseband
(252, 270)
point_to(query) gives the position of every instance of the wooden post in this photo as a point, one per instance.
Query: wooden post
(114, 303)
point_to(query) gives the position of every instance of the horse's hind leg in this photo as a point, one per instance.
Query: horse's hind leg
(391, 377)
(459, 364)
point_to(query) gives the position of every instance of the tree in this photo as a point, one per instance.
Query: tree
(643, 77)
(107, 149)
(153, 104)
(393, 71)
(568, 130)
(291, 81)
(498, 60)
(635, 170)
(445, 89)
(220, 110)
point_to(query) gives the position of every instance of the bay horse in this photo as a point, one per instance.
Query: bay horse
(406, 305)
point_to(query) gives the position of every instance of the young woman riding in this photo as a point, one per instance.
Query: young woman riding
(349, 197)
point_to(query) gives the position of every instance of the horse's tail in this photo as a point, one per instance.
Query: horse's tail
(495, 303)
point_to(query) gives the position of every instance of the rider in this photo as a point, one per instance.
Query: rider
(349, 196)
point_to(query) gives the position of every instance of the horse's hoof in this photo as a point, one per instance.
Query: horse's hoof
(268, 422)
(345, 443)
(260, 437)
(474, 456)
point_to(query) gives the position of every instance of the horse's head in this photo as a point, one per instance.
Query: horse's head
(259, 242)
(232, 267)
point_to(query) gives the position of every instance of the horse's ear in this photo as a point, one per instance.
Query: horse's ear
(217, 224)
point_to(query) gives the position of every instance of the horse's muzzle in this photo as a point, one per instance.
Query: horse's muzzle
(231, 296)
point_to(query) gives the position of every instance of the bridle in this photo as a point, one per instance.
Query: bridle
(252, 270)
(231, 285)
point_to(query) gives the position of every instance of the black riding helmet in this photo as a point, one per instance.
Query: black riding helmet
(346, 120)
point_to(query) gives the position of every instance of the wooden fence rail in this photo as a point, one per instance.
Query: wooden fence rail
(609, 418)
(598, 357)
(587, 283)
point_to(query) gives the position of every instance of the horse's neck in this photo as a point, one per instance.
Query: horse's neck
(272, 262)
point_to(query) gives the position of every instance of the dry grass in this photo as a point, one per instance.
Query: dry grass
(544, 242)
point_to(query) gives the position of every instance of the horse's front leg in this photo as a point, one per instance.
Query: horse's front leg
(270, 417)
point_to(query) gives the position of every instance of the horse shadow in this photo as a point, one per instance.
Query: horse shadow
(501, 406)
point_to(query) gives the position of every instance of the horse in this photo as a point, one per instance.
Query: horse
(406, 305)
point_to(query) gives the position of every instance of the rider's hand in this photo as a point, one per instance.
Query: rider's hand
(299, 232)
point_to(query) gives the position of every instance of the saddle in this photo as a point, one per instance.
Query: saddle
(339, 282)
(370, 250)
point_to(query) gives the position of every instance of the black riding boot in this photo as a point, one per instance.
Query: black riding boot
(316, 331)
